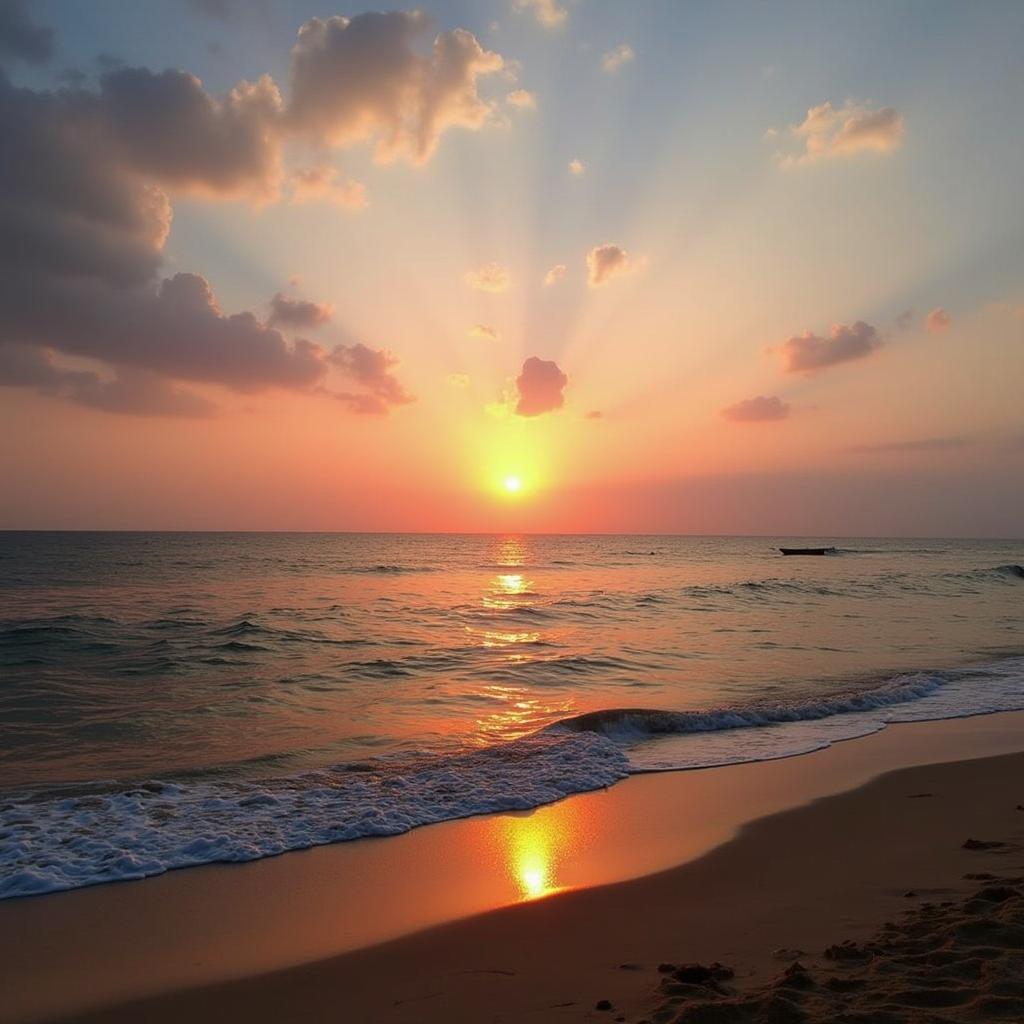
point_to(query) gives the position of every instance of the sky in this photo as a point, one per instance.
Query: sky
(513, 265)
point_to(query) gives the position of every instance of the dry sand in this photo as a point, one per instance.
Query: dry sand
(786, 888)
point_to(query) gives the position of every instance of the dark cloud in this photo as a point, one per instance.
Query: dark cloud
(130, 391)
(808, 352)
(757, 410)
(905, 320)
(20, 37)
(168, 128)
(85, 211)
(298, 312)
(927, 444)
(541, 385)
(372, 370)
(605, 262)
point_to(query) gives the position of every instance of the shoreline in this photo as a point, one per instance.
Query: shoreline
(190, 935)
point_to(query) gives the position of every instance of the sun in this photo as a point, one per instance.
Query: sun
(513, 484)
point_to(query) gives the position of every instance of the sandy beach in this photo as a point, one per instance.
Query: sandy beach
(754, 867)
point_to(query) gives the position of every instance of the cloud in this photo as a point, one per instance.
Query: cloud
(576, 166)
(548, 13)
(927, 444)
(171, 131)
(937, 320)
(130, 391)
(540, 386)
(458, 380)
(483, 332)
(87, 180)
(605, 262)
(757, 410)
(522, 98)
(554, 275)
(491, 277)
(364, 78)
(615, 58)
(20, 37)
(594, 414)
(322, 184)
(298, 312)
(905, 320)
(828, 132)
(371, 369)
(808, 352)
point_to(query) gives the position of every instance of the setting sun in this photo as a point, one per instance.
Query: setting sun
(512, 484)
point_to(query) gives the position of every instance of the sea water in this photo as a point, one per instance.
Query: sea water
(177, 699)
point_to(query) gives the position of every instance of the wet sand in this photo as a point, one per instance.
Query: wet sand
(800, 879)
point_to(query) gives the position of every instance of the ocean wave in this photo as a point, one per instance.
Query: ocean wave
(660, 740)
(70, 837)
(68, 841)
(632, 723)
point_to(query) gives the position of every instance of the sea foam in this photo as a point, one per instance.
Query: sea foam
(63, 840)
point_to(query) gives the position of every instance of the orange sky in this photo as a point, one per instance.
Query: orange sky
(722, 298)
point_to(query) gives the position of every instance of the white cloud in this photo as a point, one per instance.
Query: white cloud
(491, 277)
(828, 132)
(522, 98)
(615, 58)
(554, 275)
(548, 13)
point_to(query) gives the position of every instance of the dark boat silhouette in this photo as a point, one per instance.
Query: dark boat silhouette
(808, 551)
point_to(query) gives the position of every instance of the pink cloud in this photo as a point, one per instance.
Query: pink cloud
(605, 262)
(807, 352)
(372, 370)
(298, 312)
(541, 385)
(757, 410)
(937, 320)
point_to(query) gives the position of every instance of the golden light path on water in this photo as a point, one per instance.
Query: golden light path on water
(522, 710)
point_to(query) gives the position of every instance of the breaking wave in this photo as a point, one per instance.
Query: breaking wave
(68, 837)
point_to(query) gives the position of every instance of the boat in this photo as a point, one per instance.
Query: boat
(808, 551)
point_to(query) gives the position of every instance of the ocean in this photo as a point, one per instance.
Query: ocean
(169, 700)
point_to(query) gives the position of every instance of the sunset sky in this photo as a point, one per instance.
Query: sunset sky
(544, 265)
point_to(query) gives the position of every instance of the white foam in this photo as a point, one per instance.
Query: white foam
(54, 842)
(51, 844)
(767, 733)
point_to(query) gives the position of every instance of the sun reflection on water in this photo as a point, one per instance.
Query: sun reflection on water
(519, 712)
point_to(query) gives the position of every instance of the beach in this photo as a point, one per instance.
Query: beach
(750, 866)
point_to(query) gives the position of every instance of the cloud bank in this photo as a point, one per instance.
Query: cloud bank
(20, 37)
(85, 207)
